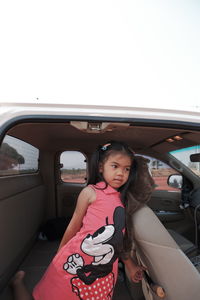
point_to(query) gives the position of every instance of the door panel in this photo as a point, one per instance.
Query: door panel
(166, 205)
(67, 194)
(166, 200)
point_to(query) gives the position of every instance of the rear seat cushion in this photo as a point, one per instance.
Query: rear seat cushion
(38, 260)
(35, 264)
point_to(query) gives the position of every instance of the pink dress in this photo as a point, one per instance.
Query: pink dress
(86, 267)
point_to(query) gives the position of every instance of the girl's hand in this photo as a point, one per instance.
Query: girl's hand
(136, 273)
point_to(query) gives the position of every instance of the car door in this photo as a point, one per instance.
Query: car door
(166, 200)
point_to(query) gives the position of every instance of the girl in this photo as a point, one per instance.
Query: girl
(85, 266)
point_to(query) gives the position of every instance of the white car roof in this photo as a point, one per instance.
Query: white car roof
(10, 110)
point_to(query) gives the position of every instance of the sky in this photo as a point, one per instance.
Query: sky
(127, 53)
(184, 155)
(73, 160)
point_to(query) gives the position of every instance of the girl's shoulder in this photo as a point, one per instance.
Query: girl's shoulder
(89, 193)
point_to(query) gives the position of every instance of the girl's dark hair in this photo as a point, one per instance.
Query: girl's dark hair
(101, 155)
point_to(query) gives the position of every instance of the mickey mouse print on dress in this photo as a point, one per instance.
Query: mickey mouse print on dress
(86, 266)
(96, 281)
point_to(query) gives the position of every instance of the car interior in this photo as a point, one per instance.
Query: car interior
(39, 183)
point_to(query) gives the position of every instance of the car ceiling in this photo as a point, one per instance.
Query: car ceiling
(84, 136)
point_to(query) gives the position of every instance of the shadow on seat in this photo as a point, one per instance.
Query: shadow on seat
(186, 246)
(167, 265)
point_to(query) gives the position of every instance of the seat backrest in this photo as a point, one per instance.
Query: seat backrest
(167, 265)
(22, 205)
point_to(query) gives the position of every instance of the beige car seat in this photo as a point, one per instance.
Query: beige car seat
(167, 265)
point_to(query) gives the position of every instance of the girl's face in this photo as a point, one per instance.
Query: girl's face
(116, 169)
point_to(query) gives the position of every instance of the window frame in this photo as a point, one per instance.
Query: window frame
(20, 172)
(60, 164)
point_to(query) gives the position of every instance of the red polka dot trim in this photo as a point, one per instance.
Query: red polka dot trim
(100, 289)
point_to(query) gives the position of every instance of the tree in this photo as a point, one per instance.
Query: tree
(10, 157)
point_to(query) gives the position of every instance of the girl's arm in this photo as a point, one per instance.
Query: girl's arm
(85, 198)
(135, 271)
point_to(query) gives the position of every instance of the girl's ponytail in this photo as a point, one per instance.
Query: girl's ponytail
(94, 174)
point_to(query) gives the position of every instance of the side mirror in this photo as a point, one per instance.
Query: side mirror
(175, 181)
(195, 157)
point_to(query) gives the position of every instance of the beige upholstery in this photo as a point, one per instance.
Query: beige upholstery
(166, 263)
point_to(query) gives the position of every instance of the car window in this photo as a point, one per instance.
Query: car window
(73, 167)
(17, 157)
(160, 172)
(184, 154)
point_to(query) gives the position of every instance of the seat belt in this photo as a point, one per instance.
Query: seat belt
(145, 285)
(148, 286)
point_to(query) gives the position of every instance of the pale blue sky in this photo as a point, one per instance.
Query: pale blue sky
(184, 154)
(73, 160)
(101, 52)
